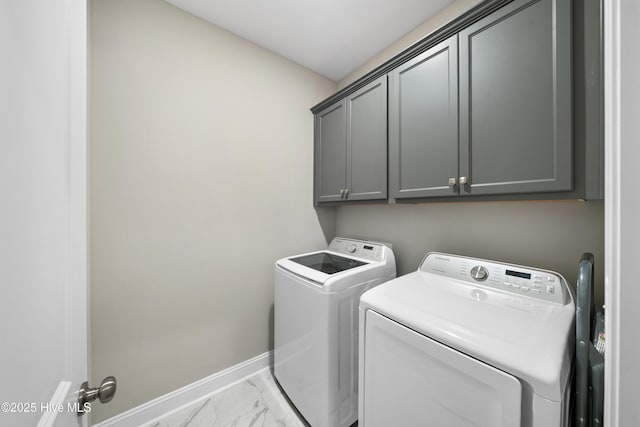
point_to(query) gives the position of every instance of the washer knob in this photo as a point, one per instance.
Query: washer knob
(479, 273)
(352, 248)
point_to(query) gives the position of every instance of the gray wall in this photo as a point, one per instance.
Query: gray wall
(201, 156)
(550, 235)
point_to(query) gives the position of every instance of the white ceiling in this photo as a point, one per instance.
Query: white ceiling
(331, 37)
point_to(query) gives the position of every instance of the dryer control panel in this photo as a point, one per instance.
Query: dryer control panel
(358, 248)
(515, 279)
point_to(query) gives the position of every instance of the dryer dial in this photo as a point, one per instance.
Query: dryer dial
(479, 273)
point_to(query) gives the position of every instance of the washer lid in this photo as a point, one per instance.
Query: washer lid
(528, 337)
(327, 262)
(347, 262)
(323, 266)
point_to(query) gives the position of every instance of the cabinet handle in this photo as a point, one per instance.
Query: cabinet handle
(346, 193)
(463, 180)
(452, 182)
(342, 193)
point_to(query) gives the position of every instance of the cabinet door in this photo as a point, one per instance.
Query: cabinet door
(330, 156)
(367, 142)
(515, 100)
(423, 124)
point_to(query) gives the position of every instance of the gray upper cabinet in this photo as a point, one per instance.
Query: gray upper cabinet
(423, 124)
(330, 153)
(504, 102)
(351, 147)
(515, 100)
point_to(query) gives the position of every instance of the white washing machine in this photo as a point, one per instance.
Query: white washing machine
(316, 326)
(467, 342)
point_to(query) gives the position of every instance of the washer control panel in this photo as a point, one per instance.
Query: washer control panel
(540, 284)
(358, 248)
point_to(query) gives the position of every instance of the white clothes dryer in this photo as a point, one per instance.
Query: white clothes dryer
(316, 326)
(467, 342)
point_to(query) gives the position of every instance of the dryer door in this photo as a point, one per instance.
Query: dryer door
(412, 380)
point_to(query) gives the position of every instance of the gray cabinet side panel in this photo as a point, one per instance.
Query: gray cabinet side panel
(592, 73)
(423, 124)
(330, 153)
(515, 99)
(367, 142)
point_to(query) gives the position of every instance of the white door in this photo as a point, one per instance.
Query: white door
(43, 220)
(412, 380)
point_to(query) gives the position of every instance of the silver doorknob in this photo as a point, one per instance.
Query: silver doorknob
(104, 393)
(452, 182)
(463, 180)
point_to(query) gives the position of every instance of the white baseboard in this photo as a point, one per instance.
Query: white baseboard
(190, 393)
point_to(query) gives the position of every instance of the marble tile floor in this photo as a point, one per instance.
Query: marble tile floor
(255, 401)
